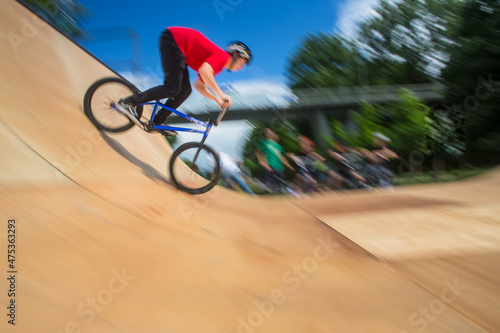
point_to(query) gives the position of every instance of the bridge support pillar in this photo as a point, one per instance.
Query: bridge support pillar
(321, 127)
(350, 125)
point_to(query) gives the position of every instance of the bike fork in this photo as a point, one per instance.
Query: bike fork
(202, 142)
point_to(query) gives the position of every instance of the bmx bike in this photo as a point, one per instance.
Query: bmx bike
(194, 167)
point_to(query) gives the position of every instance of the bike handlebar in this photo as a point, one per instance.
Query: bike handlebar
(222, 113)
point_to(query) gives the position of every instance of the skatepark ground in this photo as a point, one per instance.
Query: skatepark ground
(104, 244)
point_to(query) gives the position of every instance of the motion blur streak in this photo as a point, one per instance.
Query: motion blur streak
(108, 232)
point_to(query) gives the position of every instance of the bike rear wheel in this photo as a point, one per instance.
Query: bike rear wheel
(99, 102)
(195, 168)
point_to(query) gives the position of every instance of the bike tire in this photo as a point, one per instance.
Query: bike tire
(181, 177)
(99, 100)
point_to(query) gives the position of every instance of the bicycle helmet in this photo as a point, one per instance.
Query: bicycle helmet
(241, 48)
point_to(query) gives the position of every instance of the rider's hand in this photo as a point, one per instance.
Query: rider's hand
(225, 101)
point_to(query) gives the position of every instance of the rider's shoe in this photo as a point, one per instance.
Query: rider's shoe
(161, 130)
(129, 111)
(166, 132)
(150, 127)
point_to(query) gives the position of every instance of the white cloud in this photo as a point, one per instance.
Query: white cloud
(141, 80)
(229, 136)
(351, 13)
(258, 94)
(246, 94)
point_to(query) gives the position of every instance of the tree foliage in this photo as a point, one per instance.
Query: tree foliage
(472, 78)
(67, 15)
(406, 41)
(368, 120)
(411, 125)
(325, 60)
(453, 42)
(406, 123)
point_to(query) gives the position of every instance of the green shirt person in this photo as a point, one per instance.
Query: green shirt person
(273, 152)
(271, 157)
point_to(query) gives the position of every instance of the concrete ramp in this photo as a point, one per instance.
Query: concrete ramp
(100, 242)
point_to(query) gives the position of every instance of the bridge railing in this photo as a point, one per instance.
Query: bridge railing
(325, 98)
(370, 94)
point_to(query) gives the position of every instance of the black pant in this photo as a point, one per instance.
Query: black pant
(176, 86)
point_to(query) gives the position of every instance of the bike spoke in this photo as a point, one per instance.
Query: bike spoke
(99, 102)
(194, 177)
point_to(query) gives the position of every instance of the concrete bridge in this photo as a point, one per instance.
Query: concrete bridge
(322, 104)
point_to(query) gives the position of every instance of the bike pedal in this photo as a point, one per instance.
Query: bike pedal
(136, 121)
(129, 116)
(167, 133)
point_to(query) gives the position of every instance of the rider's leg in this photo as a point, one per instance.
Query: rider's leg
(269, 180)
(278, 177)
(238, 178)
(174, 67)
(175, 101)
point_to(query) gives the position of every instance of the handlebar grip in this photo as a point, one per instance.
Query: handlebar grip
(221, 115)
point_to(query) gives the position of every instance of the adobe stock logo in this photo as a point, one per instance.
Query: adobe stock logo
(198, 204)
(29, 29)
(85, 147)
(223, 6)
(420, 319)
(292, 279)
(103, 298)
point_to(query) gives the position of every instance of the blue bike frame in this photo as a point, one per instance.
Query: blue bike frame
(157, 105)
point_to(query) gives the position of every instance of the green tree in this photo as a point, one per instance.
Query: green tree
(368, 120)
(472, 79)
(410, 125)
(406, 123)
(406, 41)
(325, 60)
(172, 140)
(445, 142)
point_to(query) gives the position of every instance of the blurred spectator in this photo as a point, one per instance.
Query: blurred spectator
(231, 172)
(313, 172)
(382, 143)
(271, 157)
(383, 156)
(346, 159)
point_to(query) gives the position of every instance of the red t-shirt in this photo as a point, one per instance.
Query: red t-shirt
(199, 49)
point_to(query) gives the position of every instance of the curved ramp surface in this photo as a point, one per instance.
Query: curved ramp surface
(104, 244)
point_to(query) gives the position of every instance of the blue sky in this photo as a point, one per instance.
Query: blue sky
(272, 30)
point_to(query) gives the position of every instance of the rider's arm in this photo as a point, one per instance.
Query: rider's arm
(206, 73)
(389, 153)
(262, 160)
(318, 157)
(285, 162)
(204, 91)
(336, 155)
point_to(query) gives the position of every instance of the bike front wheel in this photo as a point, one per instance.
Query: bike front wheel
(100, 100)
(195, 168)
